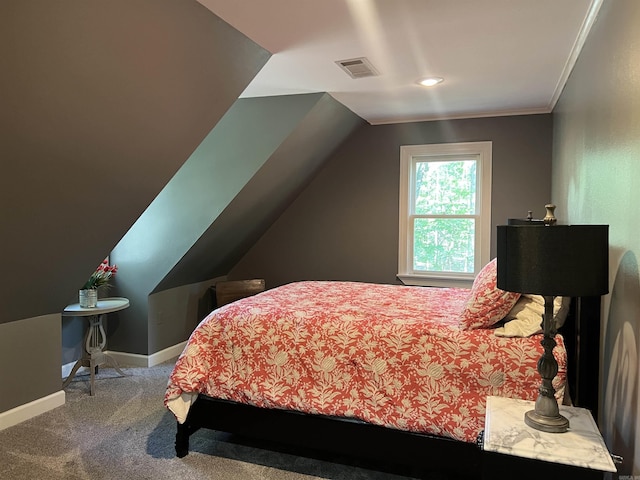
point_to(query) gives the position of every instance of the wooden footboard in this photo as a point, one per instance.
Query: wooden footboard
(327, 435)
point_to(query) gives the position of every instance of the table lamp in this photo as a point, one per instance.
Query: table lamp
(552, 260)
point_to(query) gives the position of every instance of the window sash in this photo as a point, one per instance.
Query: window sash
(448, 159)
(446, 247)
(480, 152)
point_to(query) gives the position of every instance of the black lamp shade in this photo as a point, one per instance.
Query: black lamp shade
(566, 260)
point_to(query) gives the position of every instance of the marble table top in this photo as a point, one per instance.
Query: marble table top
(581, 446)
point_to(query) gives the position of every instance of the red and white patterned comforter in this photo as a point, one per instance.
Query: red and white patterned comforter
(386, 354)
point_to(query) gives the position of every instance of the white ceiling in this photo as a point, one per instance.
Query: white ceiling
(497, 57)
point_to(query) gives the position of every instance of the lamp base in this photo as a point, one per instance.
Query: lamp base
(545, 423)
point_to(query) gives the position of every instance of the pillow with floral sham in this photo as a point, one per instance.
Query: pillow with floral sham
(487, 303)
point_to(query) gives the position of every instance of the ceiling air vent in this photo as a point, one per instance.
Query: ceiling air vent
(357, 67)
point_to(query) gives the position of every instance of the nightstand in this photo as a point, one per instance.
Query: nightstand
(95, 339)
(516, 450)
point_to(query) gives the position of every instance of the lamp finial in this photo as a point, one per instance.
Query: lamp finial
(550, 218)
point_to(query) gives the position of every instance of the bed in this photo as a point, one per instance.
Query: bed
(366, 370)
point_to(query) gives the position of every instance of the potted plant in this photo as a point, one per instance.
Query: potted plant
(88, 294)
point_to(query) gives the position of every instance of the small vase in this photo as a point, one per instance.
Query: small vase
(88, 298)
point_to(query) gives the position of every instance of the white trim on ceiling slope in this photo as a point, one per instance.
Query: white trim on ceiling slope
(575, 51)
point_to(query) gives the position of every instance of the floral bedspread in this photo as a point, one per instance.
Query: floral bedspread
(386, 354)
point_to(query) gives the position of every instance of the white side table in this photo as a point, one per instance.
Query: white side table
(581, 448)
(95, 339)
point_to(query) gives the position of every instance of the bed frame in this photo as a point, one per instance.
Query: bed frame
(357, 440)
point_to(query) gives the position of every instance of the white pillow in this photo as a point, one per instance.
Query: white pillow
(525, 318)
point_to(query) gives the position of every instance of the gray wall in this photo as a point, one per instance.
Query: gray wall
(596, 179)
(344, 226)
(102, 102)
(29, 360)
(177, 311)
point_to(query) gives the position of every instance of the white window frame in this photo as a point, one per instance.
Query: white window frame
(409, 155)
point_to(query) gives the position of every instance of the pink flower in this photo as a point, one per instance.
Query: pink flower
(101, 277)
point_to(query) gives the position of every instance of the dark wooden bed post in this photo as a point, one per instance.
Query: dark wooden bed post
(182, 439)
(582, 338)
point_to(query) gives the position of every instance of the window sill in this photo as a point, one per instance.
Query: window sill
(424, 281)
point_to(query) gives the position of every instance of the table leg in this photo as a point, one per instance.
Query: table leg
(93, 356)
(72, 374)
(112, 362)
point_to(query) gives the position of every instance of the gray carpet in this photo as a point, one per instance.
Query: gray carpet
(124, 432)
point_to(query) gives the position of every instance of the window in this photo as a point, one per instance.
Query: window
(445, 213)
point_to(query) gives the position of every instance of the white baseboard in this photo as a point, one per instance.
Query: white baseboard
(167, 354)
(32, 409)
(132, 359)
(137, 360)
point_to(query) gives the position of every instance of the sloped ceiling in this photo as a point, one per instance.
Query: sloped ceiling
(248, 166)
(102, 102)
(285, 173)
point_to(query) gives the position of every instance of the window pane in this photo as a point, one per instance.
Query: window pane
(445, 188)
(444, 244)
